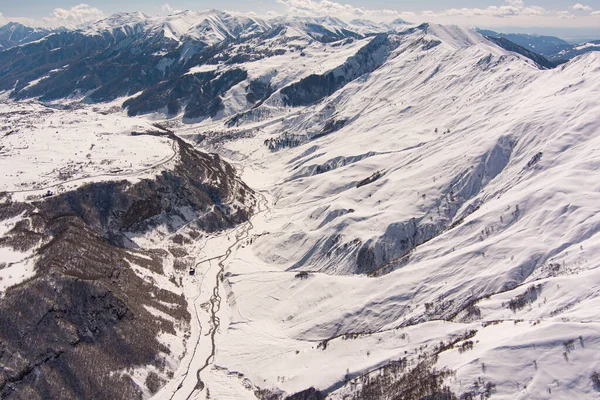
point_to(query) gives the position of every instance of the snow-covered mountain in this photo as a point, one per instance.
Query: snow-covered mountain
(209, 26)
(185, 63)
(299, 208)
(15, 34)
(130, 53)
(553, 48)
(426, 201)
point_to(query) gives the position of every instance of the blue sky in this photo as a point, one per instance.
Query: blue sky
(543, 15)
(42, 8)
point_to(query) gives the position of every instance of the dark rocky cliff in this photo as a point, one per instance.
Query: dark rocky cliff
(77, 327)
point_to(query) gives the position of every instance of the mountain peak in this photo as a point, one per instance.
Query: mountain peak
(16, 33)
(400, 21)
(455, 36)
(118, 20)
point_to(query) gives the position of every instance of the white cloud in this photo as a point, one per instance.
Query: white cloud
(343, 11)
(168, 9)
(74, 16)
(429, 14)
(517, 13)
(564, 15)
(504, 13)
(60, 17)
(581, 7)
(510, 8)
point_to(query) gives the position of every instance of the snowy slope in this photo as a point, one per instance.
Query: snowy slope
(46, 149)
(14, 34)
(84, 190)
(444, 190)
(210, 26)
(487, 187)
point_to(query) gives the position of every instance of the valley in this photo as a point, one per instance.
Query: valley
(300, 208)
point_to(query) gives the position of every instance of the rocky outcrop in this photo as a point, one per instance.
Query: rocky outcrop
(201, 183)
(308, 394)
(86, 319)
(506, 44)
(199, 92)
(93, 311)
(14, 34)
(315, 87)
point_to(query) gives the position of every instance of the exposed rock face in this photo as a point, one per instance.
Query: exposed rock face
(202, 183)
(83, 317)
(24, 64)
(316, 87)
(308, 394)
(14, 34)
(93, 311)
(510, 46)
(200, 91)
(258, 91)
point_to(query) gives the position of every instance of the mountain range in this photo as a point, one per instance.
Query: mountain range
(552, 48)
(15, 34)
(205, 205)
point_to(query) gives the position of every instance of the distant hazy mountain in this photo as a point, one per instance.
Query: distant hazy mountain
(553, 48)
(511, 46)
(14, 34)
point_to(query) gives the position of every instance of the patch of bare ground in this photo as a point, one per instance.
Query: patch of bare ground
(83, 317)
(81, 325)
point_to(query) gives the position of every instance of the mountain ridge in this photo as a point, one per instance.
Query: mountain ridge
(130, 53)
(305, 210)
